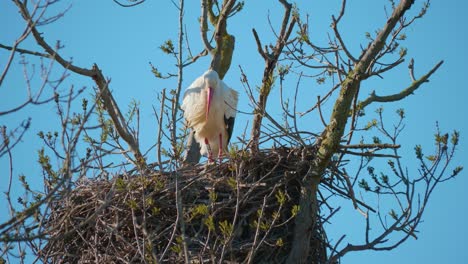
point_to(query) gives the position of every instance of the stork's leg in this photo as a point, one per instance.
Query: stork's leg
(220, 150)
(210, 154)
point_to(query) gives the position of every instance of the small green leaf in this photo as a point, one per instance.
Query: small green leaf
(457, 170)
(418, 151)
(199, 210)
(209, 223)
(120, 184)
(155, 211)
(280, 197)
(132, 204)
(320, 80)
(393, 214)
(455, 137)
(226, 228)
(403, 52)
(168, 47)
(384, 178)
(279, 242)
(213, 196)
(232, 183)
(364, 185)
(84, 104)
(401, 112)
(295, 209)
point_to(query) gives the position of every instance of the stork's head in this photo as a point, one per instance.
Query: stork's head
(211, 79)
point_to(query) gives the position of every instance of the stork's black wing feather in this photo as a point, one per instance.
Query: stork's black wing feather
(229, 126)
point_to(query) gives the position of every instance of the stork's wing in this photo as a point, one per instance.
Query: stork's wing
(229, 126)
(192, 91)
(189, 94)
(192, 104)
(230, 98)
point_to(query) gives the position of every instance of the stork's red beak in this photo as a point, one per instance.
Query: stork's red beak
(208, 101)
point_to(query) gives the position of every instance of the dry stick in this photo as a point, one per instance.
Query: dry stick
(257, 233)
(175, 105)
(351, 194)
(319, 103)
(179, 209)
(337, 33)
(369, 154)
(328, 95)
(140, 248)
(161, 113)
(373, 146)
(295, 111)
(180, 215)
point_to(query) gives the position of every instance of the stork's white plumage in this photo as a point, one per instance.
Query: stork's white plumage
(209, 107)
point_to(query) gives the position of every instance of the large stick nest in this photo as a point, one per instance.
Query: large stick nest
(241, 209)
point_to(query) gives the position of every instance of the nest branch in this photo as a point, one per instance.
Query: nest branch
(240, 210)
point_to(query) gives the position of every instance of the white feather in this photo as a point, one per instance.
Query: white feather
(223, 103)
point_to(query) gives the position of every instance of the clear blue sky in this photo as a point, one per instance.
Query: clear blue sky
(123, 40)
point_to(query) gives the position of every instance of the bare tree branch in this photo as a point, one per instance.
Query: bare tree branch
(204, 26)
(401, 95)
(134, 3)
(271, 60)
(102, 83)
(337, 33)
(368, 146)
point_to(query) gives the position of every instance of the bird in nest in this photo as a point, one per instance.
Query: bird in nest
(209, 107)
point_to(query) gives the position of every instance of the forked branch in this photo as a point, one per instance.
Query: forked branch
(401, 95)
(271, 60)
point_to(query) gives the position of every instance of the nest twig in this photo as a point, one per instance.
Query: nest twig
(239, 211)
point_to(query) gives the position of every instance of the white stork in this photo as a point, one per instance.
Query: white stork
(209, 107)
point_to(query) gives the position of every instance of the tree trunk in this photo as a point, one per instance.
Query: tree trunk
(331, 136)
(305, 221)
(192, 156)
